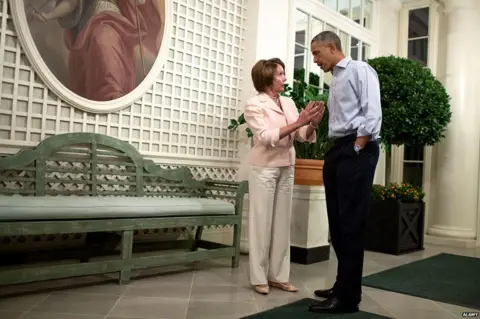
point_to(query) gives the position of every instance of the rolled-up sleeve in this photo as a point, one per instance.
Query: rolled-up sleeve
(256, 122)
(301, 135)
(370, 102)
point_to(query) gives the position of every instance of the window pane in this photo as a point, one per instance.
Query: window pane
(301, 60)
(299, 49)
(413, 153)
(418, 23)
(354, 48)
(418, 50)
(344, 40)
(356, 10)
(344, 7)
(316, 27)
(413, 173)
(365, 52)
(332, 4)
(301, 27)
(367, 13)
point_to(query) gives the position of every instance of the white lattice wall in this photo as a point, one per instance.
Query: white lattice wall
(182, 118)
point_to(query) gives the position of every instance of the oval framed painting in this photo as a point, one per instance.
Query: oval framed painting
(97, 55)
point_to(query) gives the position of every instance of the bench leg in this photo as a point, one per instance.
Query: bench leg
(198, 237)
(127, 247)
(236, 245)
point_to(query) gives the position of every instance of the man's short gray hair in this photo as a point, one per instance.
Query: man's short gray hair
(328, 37)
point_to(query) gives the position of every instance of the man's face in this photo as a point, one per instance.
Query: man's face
(323, 55)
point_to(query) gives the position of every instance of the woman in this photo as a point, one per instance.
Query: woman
(275, 123)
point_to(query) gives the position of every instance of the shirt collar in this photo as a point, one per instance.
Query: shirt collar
(343, 63)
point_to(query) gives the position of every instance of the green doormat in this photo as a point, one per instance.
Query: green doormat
(299, 310)
(445, 278)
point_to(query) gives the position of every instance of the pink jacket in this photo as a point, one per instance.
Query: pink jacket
(265, 119)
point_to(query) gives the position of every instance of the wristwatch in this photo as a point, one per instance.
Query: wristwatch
(357, 148)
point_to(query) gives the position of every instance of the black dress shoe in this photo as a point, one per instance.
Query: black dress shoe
(327, 293)
(333, 305)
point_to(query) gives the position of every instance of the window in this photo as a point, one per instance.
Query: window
(307, 26)
(357, 10)
(418, 35)
(418, 32)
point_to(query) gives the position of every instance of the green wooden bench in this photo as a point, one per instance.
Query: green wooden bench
(92, 183)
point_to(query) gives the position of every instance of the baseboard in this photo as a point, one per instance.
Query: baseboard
(451, 242)
(307, 256)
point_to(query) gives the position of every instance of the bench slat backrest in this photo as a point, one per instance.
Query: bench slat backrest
(89, 164)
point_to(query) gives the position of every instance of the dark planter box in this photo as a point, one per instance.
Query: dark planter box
(395, 227)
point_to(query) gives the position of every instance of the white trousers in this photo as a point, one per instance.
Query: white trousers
(270, 195)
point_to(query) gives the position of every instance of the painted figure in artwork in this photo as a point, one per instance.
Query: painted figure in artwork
(104, 39)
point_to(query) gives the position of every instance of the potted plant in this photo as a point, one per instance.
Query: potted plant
(415, 105)
(415, 112)
(309, 156)
(396, 222)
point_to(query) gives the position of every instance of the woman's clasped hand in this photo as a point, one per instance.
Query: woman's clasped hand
(312, 113)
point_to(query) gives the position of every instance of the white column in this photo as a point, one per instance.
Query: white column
(309, 225)
(267, 25)
(387, 18)
(266, 36)
(454, 211)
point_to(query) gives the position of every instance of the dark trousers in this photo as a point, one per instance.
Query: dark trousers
(348, 179)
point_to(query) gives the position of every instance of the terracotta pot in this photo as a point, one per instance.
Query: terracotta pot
(308, 172)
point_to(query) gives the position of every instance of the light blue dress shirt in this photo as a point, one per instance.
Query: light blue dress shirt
(354, 100)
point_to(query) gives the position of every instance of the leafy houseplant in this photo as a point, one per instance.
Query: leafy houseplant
(309, 162)
(396, 222)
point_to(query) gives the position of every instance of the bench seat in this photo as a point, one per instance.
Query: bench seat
(31, 208)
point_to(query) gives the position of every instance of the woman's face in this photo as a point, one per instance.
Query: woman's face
(279, 80)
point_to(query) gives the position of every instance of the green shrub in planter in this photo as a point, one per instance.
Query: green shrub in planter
(415, 105)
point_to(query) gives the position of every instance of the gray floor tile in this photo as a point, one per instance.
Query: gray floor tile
(76, 303)
(22, 303)
(160, 289)
(220, 277)
(99, 289)
(7, 314)
(211, 289)
(47, 315)
(221, 293)
(220, 310)
(147, 307)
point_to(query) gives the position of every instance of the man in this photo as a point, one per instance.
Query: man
(354, 124)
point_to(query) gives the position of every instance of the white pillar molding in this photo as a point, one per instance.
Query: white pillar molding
(386, 25)
(457, 184)
(309, 225)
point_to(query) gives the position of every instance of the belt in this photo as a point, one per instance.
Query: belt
(344, 139)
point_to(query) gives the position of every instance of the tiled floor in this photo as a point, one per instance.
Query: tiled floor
(209, 290)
